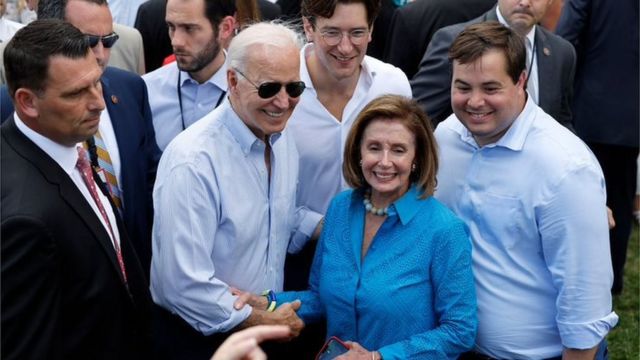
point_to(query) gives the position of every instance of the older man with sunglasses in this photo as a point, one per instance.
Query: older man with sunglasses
(225, 202)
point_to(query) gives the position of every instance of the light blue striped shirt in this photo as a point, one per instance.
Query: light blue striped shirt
(535, 204)
(219, 222)
(197, 99)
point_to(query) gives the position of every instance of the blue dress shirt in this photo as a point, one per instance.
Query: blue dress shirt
(535, 205)
(220, 221)
(197, 99)
(411, 297)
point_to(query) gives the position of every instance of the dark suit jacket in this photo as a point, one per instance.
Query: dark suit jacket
(414, 24)
(125, 95)
(605, 34)
(556, 60)
(63, 296)
(155, 33)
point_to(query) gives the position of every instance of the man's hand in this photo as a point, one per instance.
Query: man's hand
(243, 345)
(575, 354)
(257, 301)
(285, 314)
(612, 221)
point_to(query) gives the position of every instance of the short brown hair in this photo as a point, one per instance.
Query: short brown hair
(409, 113)
(477, 39)
(325, 8)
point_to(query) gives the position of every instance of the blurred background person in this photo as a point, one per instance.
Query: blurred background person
(7, 27)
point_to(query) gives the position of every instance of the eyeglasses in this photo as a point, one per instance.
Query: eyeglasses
(270, 89)
(334, 37)
(107, 40)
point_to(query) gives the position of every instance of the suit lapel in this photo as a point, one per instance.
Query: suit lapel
(52, 172)
(118, 115)
(545, 69)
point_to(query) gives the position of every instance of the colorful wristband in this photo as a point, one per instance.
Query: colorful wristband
(271, 299)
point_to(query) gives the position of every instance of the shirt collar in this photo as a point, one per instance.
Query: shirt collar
(408, 205)
(239, 130)
(65, 156)
(513, 138)
(219, 78)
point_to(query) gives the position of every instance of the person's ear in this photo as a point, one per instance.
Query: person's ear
(26, 102)
(308, 28)
(227, 28)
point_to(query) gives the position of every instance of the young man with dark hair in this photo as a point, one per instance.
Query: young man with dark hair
(533, 197)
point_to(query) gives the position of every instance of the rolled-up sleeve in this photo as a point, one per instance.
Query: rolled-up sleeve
(575, 239)
(183, 275)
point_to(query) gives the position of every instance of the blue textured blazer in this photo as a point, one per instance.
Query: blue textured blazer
(125, 95)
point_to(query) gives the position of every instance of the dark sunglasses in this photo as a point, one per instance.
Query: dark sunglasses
(107, 40)
(268, 90)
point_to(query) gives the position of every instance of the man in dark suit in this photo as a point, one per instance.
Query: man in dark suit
(127, 120)
(551, 70)
(414, 24)
(72, 286)
(605, 34)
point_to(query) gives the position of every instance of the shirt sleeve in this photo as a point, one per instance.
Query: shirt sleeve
(454, 302)
(183, 275)
(574, 231)
(306, 223)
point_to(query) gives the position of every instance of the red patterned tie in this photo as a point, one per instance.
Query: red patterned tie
(85, 169)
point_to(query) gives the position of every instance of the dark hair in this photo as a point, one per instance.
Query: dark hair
(55, 9)
(477, 39)
(325, 8)
(409, 113)
(27, 55)
(216, 10)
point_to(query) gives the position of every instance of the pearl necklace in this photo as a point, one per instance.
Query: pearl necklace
(368, 206)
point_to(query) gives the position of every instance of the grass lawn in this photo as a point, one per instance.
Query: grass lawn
(625, 337)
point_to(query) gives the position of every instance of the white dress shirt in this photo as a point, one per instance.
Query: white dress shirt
(535, 204)
(220, 221)
(320, 137)
(67, 157)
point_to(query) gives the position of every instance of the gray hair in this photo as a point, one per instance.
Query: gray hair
(273, 33)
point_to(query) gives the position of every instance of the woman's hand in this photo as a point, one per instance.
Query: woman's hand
(357, 352)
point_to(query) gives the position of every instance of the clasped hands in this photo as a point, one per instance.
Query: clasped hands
(285, 314)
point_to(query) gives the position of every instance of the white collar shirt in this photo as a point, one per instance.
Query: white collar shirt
(320, 137)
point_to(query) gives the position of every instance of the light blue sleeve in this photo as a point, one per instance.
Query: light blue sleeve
(182, 273)
(575, 239)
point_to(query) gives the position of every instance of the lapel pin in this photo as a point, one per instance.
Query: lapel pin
(546, 51)
(114, 99)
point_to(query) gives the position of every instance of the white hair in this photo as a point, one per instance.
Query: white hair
(273, 33)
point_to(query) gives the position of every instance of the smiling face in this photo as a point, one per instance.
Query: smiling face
(523, 14)
(484, 97)
(68, 110)
(388, 152)
(266, 64)
(341, 61)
